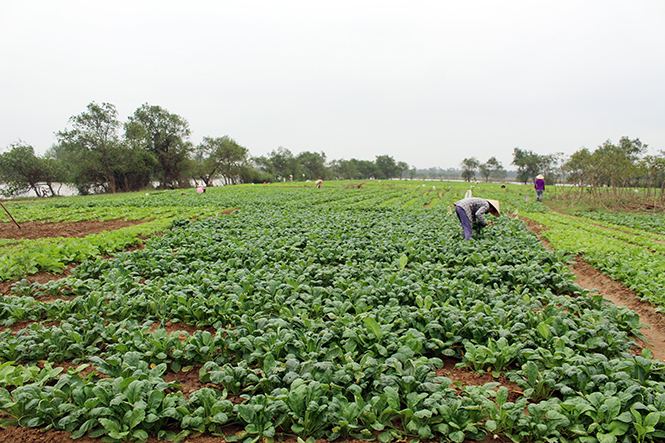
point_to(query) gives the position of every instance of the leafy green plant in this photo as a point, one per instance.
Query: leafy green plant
(495, 357)
(234, 379)
(645, 426)
(308, 404)
(504, 415)
(538, 385)
(460, 420)
(20, 375)
(210, 411)
(262, 416)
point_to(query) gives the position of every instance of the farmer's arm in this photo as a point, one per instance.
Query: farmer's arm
(484, 209)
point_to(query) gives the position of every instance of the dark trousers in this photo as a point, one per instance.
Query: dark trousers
(467, 228)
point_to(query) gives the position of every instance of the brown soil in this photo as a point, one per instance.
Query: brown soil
(34, 230)
(468, 377)
(27, 435)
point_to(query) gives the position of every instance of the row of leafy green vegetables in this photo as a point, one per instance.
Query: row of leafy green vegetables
(517, 199)
(646, 222)
(633, 259)
(75, 213)
(173, 203)
(21, 258)
(646, 240)
(345, 312)
(315, 399)
(120, 206)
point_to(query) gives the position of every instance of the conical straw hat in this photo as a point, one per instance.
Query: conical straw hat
(495, 205)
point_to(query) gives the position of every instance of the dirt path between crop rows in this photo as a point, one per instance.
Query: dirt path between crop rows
(34, 230)
(590, 278)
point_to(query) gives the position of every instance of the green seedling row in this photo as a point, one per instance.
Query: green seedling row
(654, 223)
(635, 259)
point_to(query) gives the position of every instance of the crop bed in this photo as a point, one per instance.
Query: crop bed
(632, 256)
(327, 315)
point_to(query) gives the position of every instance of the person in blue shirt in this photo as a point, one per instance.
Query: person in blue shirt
(471, 210)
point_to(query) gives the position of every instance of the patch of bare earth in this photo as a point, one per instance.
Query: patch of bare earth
(463, 376)
(34, 230)
(592, 279)
(28, 435)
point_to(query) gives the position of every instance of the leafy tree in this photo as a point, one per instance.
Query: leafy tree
(469, 166)
(250, 174)
(579, 167)
(279, 164)
(386, 167)
(53, 171)
(313, 165)
(618, 164)
(609, 165)
(344, 169)
(492, 168)
(21, 170)
(654, 170)
(499, 174)
(135, 170)
(94, 146)
(366, 169)
(165, 136)
(403, 168)
(528, 164)
(94, 156)
(551, 166)
(412, 173)
(221, 156)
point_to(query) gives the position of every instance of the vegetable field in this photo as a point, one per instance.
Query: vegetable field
(340, 313)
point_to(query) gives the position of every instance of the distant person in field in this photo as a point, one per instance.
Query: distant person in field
(318, 183)
(470, 211)
(540, 187)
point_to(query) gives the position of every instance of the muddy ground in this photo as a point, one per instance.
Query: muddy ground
(33, 230)
(587, 277)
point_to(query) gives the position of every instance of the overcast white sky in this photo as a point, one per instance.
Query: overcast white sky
(427, 82)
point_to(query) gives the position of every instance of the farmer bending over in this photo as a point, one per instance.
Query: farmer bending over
(471, 210)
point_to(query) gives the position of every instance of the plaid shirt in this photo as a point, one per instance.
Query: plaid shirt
(475, 208)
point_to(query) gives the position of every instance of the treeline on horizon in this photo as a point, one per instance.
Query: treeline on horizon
(97, 153)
